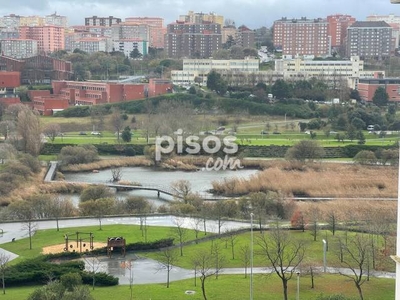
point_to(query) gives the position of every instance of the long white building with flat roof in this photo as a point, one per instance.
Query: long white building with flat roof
(196, 70)
(328, 70)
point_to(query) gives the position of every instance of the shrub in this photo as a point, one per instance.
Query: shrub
(31, 162)
(100, 279)
(18, 169)
(130, 151)
(78, 154)
(70, 280)
(96, 192)
(305, 150)
(365, 157)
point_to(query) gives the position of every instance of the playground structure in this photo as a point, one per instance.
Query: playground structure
(116, 242)
(83, 240)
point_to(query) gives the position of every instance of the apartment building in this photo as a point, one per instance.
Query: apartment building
(245, 37)
(196, 70)
(156, 28)
(370, 39)
(226, 32)
(93, 44)
(102, 21)
(190, 40)
(193, 17)
(9, 33)
(56, 20)
(19, 48)
(337, 29)
(301, 36)
(49, 38)
(393, 21)
(331, 71)
(128, 45)
(127, 30)
(10, 21)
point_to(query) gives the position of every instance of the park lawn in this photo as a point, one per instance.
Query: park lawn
(48, 237)
(314, 250)
(236, 287)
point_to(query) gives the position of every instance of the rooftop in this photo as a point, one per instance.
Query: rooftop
(365, 24)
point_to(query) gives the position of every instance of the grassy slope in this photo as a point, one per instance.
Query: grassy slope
(236, 287)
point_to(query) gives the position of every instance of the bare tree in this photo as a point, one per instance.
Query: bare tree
(181, 232)
(283, 252)
(93, 265)
(28, 132)
(23, 211)
(196, 226)
(97, 113)
(205, 262)
(52, 130)
(167, 258)
(314, 216)
(182, 189)
(7, 151)
(97, 208)
(30, 227)
(117, 122)
(245, 257)
(355, 257)
(4, 259)
(116, 174)
(332, 220)
(216, 251)
(60, 207)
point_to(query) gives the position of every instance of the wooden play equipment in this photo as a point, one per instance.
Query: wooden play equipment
(83, 241)
(116, 242)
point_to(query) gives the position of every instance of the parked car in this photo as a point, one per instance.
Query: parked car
(264, 132)
(276, 132)
(82, 133)
(95, 133)
(221, 128)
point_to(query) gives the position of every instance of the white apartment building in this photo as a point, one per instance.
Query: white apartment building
(93, 44)
(127, 46)
(196, 70)
(10, 21)
(56, 20)
(327, 70)
(19, 48)
(126, 30)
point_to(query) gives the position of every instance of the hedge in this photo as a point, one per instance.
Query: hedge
(141, 246)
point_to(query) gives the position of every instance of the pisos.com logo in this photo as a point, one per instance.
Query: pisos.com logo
(193, 144)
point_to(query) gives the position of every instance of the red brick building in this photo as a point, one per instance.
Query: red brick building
(337, 28)
(9, 81)
(38, 69)
(158, 87)
(367, 87)
(69, 93)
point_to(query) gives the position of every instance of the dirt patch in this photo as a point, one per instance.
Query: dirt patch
(60, 247)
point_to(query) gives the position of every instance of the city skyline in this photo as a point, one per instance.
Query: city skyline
(252, 13)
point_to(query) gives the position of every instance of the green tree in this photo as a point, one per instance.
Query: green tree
(381, 97)
(126, 134)
(281, 89)
(360, 137)
(216, 83)
(135, 54)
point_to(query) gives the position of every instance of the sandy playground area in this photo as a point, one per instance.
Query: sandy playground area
(60, 247)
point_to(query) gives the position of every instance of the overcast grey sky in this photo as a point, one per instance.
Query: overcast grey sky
(253, 13)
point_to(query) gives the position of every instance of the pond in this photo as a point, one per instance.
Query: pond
(201, 181)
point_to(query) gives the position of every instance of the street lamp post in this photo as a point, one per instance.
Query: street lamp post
(298, 286)
(323, 241)
(251, 256)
